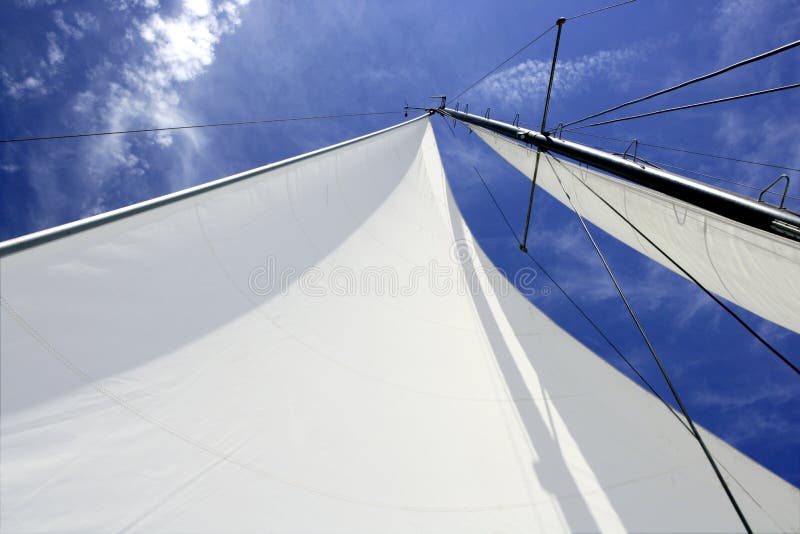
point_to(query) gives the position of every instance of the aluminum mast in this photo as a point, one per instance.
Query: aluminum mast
(774, 220)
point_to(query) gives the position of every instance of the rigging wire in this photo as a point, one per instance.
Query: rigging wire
(686, 151)
(733, 182)
(692, 81)
(563, 291)
(188, 127)
(597, 328)
(687, 106)
(532, 41)
(686, 273)
(655, 357)
(660, 164)
(592, 12)
(509, 58)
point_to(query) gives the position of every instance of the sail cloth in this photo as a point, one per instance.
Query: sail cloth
(757, 270)
(272, 353)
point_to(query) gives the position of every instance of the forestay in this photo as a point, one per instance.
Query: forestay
(752, 268)
(272, 352)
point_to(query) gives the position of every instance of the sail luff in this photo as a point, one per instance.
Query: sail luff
(23, 242)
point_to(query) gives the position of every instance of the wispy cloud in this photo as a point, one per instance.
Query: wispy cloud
(528, 80)
(125, 5)
(148, 57)
(36, 79)
(27, 85)
(55, 54)
(775, 394)
(82, 22)
(9, 167)
(762, 130)
(740, 24)
(753, 424)
(164, 52)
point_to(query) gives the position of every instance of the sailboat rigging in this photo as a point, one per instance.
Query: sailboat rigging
(321, 344)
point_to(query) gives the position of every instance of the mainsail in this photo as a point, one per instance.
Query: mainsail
(270, 352)
(752, 268)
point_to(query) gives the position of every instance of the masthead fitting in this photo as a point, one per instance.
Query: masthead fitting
(443, 102)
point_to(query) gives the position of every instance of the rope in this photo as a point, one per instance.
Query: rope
(655, 357)
(212, 125)
(599, 330)
(600, 9)
(499, 209)
(509, 58)
(661, 164)
(563, 291)
(686, 273)
(529, 43)
(602, 334)
(688, 106)
(692, 81)
(686, 151)
(712, 177)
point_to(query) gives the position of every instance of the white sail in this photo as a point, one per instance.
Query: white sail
(752, 268)
(272, 353)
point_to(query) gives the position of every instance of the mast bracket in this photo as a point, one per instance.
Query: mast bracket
(443, 100)
(774, 182)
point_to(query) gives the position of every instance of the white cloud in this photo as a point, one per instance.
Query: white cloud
(742, 25)
(84, 21)
(145, 90)
(528, 80)
(755, 424)
(124, 5)
(9, 167)
(775, 394)
(34, 3)
(35, 78)
(28, 86)
(55, 54)
(761, 130)
(71, 31)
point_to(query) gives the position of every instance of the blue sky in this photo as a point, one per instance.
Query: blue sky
(75, 66)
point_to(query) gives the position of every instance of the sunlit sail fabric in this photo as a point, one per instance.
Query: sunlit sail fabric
(755, 269)
(231, 359)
